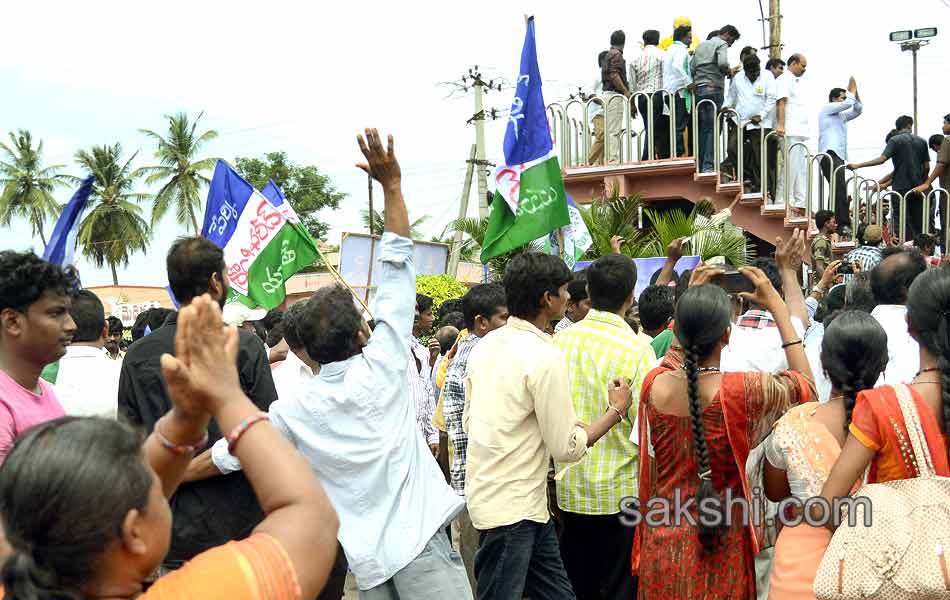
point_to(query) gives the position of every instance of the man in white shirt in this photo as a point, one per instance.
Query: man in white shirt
(843, 106)
(774, 68)
(646, 77)
(791, 122)
(890, 282)
(87, 381)
(753, 97)
(677, 79)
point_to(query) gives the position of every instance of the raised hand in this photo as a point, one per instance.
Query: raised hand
(674, 250)
(704, 273)
(765, 293)
(381, 164)
(615, 243)
(202, 376)
(788, 255)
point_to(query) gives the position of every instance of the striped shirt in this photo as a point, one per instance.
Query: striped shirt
(418, 374)
(454, 406)
(599, 349)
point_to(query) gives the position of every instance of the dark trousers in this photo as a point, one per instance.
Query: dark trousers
(594, 548)
(333, 590)
(842, 207)
(707, 120)
(681, 124)
(774, 146)
(751, 156)
(521, 560)
(915, 214)
(661, 127)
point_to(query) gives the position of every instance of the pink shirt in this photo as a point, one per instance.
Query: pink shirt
(21, 409)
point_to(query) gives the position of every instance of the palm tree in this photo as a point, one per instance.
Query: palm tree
(707, 239)
(180, 169)
(608, 218)
(475, 229)
(114, 228)
(27, 186)
(379, 220)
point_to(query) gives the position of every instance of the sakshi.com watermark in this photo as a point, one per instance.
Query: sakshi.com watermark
(684, 509)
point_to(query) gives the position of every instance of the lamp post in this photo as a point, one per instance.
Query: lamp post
(914, 40)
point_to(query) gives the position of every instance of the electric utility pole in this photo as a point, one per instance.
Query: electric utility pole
(775, 30)
(463, 212)
(474, 80)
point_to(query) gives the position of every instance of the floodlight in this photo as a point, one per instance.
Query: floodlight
(901, 36)
(927, 32)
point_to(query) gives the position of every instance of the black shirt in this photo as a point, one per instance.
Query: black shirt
(909, 153)
(220, 509)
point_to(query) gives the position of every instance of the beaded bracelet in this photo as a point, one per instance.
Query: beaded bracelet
(179, 448)
(235, 436)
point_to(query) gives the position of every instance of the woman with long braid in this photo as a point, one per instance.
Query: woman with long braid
(697, 426)
(806, 442)
(878, 425)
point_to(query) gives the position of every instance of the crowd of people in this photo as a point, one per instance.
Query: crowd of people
(509, 455)
(767, 104)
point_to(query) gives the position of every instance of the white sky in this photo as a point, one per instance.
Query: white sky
(306, 77)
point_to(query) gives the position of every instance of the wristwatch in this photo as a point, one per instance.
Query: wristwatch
(818, 290)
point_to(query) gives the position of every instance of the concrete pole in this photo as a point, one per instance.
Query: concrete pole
(480, 151)
(914, 52)
(775, 30)
(463, 211)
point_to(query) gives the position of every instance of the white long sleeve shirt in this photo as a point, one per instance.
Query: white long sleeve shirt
(676, 73)
(751, 98)
(833, 125)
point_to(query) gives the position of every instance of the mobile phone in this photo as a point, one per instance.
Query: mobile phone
(733, 282)
(845, 269)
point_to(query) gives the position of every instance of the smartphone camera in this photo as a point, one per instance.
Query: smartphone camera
(846, 269)
(734, 282)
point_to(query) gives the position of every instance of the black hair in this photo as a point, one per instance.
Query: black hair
(794, 59)
(454, 319)
(25, 277)
(928, 316)
(853, 354)
(610, 280)
(712, 34)
(651, 37)
(835, 92)
(656, 275)
(767, 265)
(329, 325)
(275, 334)
(730, 31)
(860, 234)
(656, 306)
(87, 312)
(774, 62)
(528, 277)
(483, 299)
(618, 38)
(890, 134)
(423, 303)
(935, 141)
(601, 57)
(822, 217)
(683, 33)
(702, 317)
(115, 325)
(577, 288)
(751, 63)
(291, 323)
(858, 295)
(833, 302)
(58, 517)
(747, 52)
(946, 117)
(924, 240)
(904, 122)
(272, 319)
(449, 306)
(682, 284)
(152, 318)
(892, 278)
(190, 263)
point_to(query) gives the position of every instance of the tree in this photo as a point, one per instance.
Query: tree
(26, 186)
(475, 229)
(305, 188)
(114, 228)
(379, 220)
(180, 169)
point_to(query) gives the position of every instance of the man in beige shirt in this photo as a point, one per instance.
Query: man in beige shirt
(518, 414)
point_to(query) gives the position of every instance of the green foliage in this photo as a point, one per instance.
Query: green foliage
(475, 230)
(113, 228)
(440, 288)
(616, 216)
(379, 222)
(26, 186)
(304, 187)
(180, 169)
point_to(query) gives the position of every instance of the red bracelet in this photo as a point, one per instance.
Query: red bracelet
(179, 448)
(235, 436)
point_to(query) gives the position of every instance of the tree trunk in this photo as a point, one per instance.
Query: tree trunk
(39, 227)
(194, 222)
(115, 276)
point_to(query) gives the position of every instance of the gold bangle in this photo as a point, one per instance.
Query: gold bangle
(616, 410)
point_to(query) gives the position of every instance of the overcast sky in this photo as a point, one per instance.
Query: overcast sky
(306, 77)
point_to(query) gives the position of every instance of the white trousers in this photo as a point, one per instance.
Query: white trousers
(797, 172)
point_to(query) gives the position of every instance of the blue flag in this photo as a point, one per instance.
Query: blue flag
(527, 137)
(62, 244)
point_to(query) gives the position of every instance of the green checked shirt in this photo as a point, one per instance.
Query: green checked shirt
(598, 349)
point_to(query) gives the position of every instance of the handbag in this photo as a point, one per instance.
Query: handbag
(900, 551)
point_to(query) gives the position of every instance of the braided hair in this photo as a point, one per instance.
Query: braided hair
(702, 317)
(853, 354)
(928, 316)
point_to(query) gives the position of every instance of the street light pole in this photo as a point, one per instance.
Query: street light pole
(914, 52)
(914, 41)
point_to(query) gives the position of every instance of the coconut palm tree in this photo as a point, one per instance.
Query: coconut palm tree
(26, 186)
(379, 220)
(614, 217)
(180, 169)
(114, 228)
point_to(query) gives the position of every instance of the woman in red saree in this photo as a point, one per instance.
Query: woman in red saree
(696, 428)
(878, 433)
(84, 501)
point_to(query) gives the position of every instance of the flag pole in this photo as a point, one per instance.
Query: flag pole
(336, 275)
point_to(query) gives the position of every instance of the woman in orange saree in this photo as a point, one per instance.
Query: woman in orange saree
(696, 428)
(878, 439)
(84, 502)
(806, 442)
